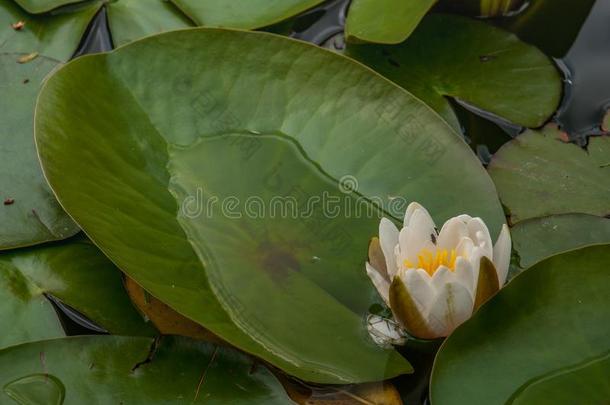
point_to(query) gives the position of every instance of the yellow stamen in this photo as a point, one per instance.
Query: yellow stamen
(430, 261)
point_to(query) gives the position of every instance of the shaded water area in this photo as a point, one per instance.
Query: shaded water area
(582, 53)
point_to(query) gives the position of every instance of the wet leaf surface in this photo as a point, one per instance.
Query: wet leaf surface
(384, 21)
(114, 178)
(43, 6)
(74, 272)
(133, 370)
(547, 320)
(538, 174)
(30, 214)
(452, 56)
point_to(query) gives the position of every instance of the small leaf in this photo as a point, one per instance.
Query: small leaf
(487, 284)
(606, 122)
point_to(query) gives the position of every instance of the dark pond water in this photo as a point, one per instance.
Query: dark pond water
(586, 66)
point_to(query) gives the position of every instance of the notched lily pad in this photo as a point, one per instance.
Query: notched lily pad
(452, 56)
(538, 174)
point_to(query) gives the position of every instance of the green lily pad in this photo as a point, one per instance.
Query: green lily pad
(549, 319)
(43, 6)
(245, 14)
(74, 272)
(129, 20)
(29, 213)
(539, 238)
(606, 122)
(120, 370)
(384, 21)
(300, 135)
(452, 56)
(55, 35)
(538, 174)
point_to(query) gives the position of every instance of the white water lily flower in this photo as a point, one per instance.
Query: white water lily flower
(433, 281)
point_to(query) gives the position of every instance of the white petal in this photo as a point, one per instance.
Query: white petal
(464, 274)
(452, 306)
(418, 285)
(502, 251)
(464, 247)
(480, 235)
(382, 285)
(465, 218)
(388, 239)
(451, 233)
(442, 276)
(411, 210)
(475, 261)
(417, 236)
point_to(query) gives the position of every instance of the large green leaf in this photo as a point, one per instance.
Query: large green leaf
(548, 320)
(538, 174)
(246, 14)
(74, 272)
(539, 238)
(259, 119)
(452, 56)
(384, 21)
(33, 215)
(55, 35)
(120, 370)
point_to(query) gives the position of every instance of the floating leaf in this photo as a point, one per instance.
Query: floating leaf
(384, 21)
(548, 319)
(382, 393)
(120, 370)
(129, 20)
(538, 174)
(606, 122)
(30, 213)
(55, 35)
(246, 14)
(74, 272)
(112, 162)
(452, 56)
(538, 238)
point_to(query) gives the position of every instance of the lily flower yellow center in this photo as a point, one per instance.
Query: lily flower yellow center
(434, 280)
(430, 261)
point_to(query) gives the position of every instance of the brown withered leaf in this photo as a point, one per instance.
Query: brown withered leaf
(165, 319)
